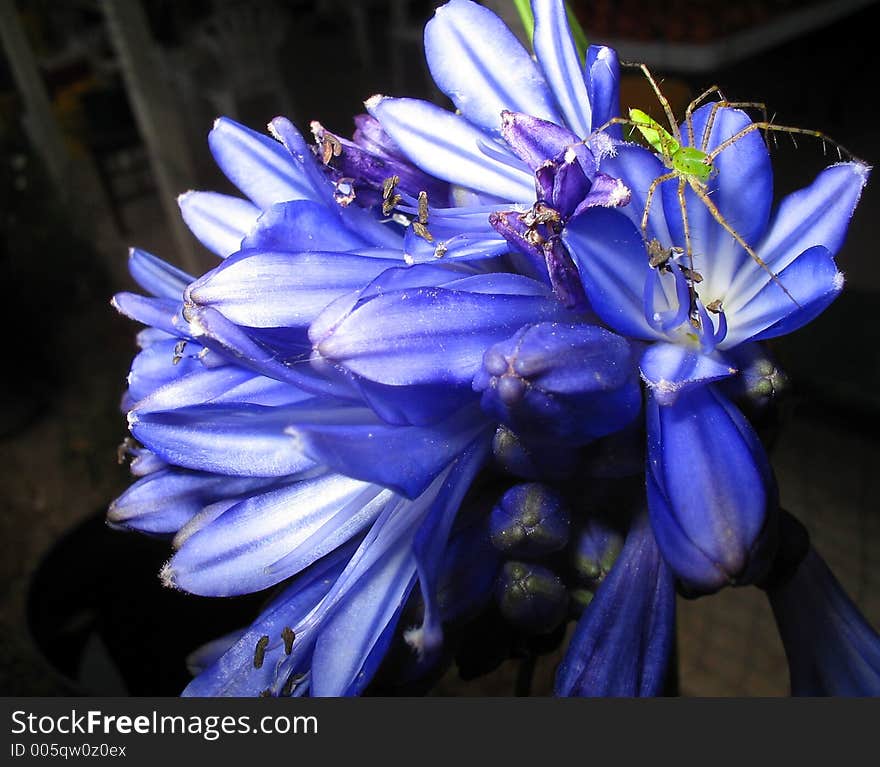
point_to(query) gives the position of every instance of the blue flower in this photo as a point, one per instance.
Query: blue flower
(711, 491)
(306, 413)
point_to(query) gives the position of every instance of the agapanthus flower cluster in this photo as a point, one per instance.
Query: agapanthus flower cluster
(478, 361)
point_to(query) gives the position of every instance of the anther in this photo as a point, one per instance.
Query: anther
(178, 351)
(714, 306)
(260, 652)
(423, 208)
(422, 231)
(288, 635)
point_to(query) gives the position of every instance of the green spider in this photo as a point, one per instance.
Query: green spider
(694, 166)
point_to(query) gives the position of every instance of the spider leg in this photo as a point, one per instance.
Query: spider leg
(768, 126)
(710, 123)
(688, 113)
(608, 124)
(716, 214)
(649, 199)
(682, 204)
(664, 102)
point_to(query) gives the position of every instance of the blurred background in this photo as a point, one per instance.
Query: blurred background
(104, 110)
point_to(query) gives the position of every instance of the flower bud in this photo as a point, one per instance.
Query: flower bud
(530, 520)
(551, 380)
(531, 597)
(531, 461)
(595, 551)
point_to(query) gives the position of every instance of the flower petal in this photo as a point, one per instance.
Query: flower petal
(830, 646)
(240, 551)
(258, 165)
(405, 458)
(603, 85)
(812, 282)
(670, 369)
(267, 289)
(235, 673)
(711, 495)
(561, 64)
(218, 221)
(448, 147)
(429, 335)
(613, 265)
(164, 501)
(478, 62)
(816, 215)
(156, 276)
(301, 225)
(239, 440)
(623, 641)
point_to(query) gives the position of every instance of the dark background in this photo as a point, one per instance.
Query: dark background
(81, 610)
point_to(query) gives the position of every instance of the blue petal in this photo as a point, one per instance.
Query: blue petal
(603, 84)
(812, 282)
(405, 458)
(165, 501)
(340, 663)
(157, 312)
(239, 440)
(229, 383)
(711, 495)
(816, 215)
(157, 366)
(218, 221)
(157, 277)
(266, 538)
(638, 168)
(429, 335)
(282, 289)
(831, 647)
(258, 165)
(448, 147)
(610, 256)
(670, 369)
(561, 63)
(301, 225)
(234, 673)
(741, 188)
(430, 543)
(478, 62)
(229, 340)
(623, 642)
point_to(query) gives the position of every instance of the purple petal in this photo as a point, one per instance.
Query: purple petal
(301, 225)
